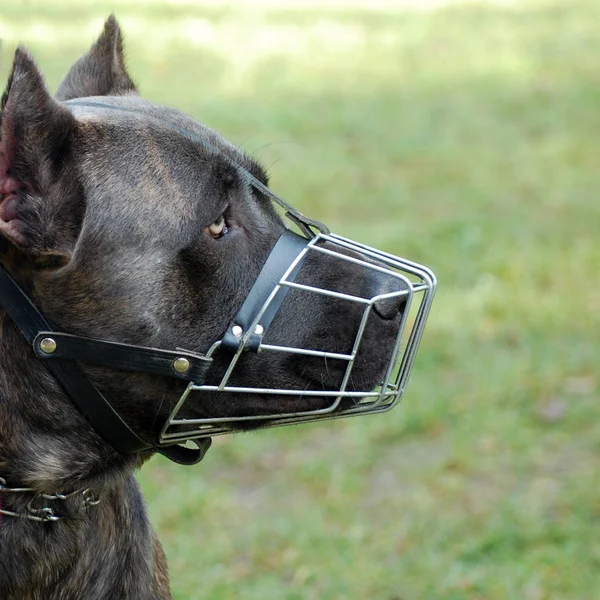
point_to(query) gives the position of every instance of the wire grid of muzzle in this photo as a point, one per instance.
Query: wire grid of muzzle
(418, 290)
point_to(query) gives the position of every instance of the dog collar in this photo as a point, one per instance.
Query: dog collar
(39, 508)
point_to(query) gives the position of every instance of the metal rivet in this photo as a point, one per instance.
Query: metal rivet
(181, 365)
(47, 345)
(259, 330)
(237, 331)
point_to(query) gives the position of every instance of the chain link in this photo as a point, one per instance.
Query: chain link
(45, 514)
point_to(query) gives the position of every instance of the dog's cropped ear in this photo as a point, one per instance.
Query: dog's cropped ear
(39, 193)
(100, 72)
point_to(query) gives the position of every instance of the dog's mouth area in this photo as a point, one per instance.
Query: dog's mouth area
(316, 403)
(287, 384)
(254, 411)
(310, 390)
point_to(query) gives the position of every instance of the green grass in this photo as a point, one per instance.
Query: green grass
(466, 138)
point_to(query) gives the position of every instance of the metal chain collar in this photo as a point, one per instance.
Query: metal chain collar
(45, 514)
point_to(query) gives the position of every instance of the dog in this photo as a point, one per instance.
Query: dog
(121, 226)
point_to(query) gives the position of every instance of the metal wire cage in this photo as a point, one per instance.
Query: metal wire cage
(416, 285)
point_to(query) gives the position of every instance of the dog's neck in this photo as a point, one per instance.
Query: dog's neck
(45, 445)
(84, 556)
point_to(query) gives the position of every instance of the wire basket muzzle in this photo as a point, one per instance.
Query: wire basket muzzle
(384, 287)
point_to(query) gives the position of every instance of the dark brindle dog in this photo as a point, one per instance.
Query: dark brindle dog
(122, 228)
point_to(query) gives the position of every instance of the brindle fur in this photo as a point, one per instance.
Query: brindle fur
(105, 226)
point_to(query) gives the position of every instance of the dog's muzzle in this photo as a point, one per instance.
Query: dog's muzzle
(405, 296)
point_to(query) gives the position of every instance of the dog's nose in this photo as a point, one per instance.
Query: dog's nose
(389, 308)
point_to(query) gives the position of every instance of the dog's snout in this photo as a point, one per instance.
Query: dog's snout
(395, 303)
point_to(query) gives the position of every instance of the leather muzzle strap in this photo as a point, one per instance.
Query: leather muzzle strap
(287, 251)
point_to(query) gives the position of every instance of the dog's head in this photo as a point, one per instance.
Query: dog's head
(124, 227)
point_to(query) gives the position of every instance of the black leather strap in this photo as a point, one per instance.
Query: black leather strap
(20, 309)
(186, 456)
(86, 397)
(95, 407)
(284, 253)
(79, 388)
(124, 357)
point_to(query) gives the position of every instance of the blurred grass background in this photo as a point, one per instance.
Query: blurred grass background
(463, 135)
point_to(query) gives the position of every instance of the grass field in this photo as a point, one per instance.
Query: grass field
(465, 137)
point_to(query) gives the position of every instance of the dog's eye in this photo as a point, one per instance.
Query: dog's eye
(219, 228)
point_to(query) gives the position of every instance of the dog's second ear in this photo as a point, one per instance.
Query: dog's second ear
(40, 210)
(100, 72)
